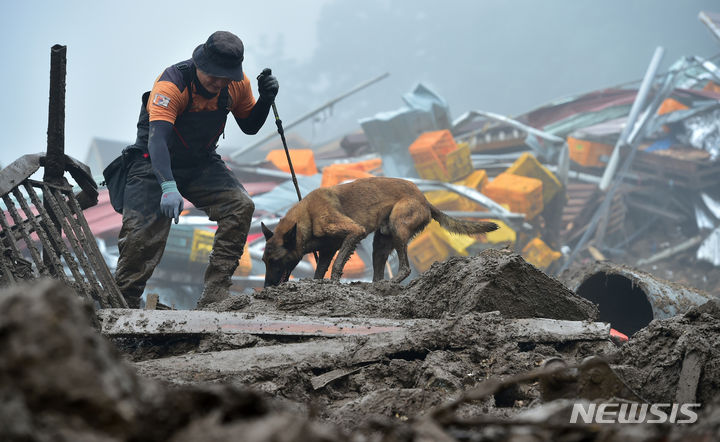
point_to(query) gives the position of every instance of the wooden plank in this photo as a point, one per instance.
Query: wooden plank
(344, 354)
(128, 322)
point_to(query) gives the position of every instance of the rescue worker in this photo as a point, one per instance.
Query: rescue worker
(181, 120)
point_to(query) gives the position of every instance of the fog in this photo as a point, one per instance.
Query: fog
(500, 55)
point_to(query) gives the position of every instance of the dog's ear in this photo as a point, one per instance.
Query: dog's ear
(289, 239)
(267, 232)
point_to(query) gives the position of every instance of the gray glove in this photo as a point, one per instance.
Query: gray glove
(171, 202)
(267, 85)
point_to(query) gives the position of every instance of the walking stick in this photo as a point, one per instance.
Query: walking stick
(278, 123)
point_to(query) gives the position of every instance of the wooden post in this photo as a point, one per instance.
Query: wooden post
(54, 167)
(55, 158)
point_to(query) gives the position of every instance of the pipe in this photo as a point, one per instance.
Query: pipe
(629, 298)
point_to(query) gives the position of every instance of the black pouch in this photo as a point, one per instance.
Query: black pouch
(116, 176)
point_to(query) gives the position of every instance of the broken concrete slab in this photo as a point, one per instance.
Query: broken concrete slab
(553, 330)
(127, 322)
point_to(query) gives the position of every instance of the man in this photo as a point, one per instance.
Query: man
(174, 156)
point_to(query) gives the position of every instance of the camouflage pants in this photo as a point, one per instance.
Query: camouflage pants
(210, 187)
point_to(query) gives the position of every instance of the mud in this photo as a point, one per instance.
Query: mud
(495, 280)
(61, 380)
(653, 358)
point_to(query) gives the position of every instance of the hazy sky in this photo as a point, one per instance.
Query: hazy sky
(499, 55)
(115, 50)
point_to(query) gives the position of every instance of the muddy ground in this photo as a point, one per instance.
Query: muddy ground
(61, 380)
(496, 280)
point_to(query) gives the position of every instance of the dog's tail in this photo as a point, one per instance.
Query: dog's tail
(461, 226)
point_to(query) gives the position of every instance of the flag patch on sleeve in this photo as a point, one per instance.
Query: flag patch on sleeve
(161, 100)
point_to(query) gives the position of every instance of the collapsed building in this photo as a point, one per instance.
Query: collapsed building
(584, 298)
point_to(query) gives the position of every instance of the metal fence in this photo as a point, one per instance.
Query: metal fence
(44, 233)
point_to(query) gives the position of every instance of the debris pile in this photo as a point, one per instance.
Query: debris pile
(459, 376)
(676, 359)
(61, 380)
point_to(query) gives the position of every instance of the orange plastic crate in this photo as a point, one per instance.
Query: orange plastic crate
(338, 173)
(520, 194)
(537, 253)
(425, 249)
(432, 146)
(476, 180)
(303, 160)
(453, 166)
(589, 153)
(354, 267)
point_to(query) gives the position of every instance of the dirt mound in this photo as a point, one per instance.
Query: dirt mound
(659, 355)
(61, 380)
(495, 280)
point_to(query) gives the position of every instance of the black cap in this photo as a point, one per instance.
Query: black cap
(221, 56)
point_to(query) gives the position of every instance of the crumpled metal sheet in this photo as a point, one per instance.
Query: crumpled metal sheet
(710, 248)
(702, 219)
(703, 132)
(711, 204)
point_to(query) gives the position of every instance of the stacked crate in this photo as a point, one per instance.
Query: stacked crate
(438, 157)
(518, 193)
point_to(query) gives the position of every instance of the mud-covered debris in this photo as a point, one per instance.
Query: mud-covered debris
(327, 298)
(61, 380)
(55, 368)
(495, 280)
(653, 359)
(231, 303)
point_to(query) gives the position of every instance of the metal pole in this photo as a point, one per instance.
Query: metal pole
(604, 209)
(357, 88)
(281, 131)
(634, 111)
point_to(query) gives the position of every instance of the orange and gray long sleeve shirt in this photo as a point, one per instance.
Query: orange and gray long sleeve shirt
(179, 117)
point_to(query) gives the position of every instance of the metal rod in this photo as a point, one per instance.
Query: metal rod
(74, 235)
(37, 227)
(55, 236)
(237, 153)
(29, 243)
(634, 111)
(9, 235)
(607, 201)
(84, 282)
(281, 131)
(110, 287)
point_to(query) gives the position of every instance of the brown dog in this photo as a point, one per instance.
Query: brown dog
(336, 218)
